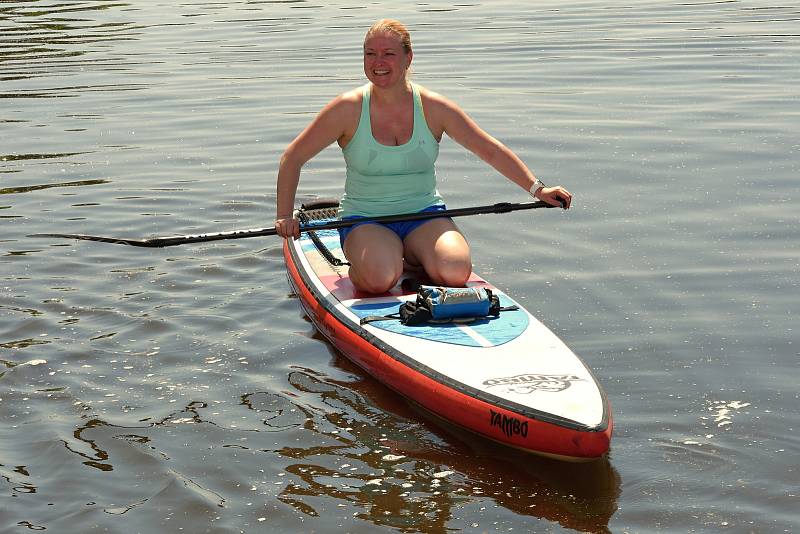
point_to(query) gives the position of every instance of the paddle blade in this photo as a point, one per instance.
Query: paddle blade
(169, 241)
(116, 240)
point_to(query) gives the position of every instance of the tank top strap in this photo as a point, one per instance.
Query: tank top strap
(364, 122)
(421, 129)
(419, 113)
(365, 92)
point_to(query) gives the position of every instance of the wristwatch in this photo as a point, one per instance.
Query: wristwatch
(537, 184)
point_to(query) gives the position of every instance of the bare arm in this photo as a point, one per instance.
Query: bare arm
(466, 132)
(328, 126)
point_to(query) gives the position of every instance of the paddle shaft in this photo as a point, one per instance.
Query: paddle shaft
(169, 241)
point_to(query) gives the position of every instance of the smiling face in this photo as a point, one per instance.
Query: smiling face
(386, 61)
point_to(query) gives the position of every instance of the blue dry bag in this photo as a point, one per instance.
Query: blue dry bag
(445, 304)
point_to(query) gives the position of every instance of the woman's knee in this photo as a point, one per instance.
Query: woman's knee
(452, 272)
(375, 281)
(376, 258)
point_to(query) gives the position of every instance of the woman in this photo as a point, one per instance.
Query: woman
(389, 131)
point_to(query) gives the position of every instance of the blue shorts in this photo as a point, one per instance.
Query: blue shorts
(402, 229)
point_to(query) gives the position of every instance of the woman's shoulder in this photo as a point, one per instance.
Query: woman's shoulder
(341, 115)
(349, 99)
(344, 106)
(435, 100)
(436, 105)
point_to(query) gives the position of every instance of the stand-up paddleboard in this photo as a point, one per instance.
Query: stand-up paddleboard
(508, 378)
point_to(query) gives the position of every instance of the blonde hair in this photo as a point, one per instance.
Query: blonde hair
(394, 27)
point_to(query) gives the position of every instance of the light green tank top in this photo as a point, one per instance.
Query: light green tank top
(387, 180)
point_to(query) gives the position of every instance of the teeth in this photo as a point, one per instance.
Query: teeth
(381, 72)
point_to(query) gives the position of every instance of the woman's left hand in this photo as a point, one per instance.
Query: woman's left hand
(555, 196)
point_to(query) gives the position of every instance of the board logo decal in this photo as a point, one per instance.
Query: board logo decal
(530, 382)
(511, 426)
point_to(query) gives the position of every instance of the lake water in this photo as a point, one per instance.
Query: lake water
(183, 389)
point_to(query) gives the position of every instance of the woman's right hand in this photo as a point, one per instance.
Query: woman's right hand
(555, 196)
(287, 227)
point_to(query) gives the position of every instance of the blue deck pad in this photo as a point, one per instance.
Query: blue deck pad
(330, 238)
(496, 331)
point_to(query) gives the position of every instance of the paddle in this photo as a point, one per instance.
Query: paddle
(158, 242)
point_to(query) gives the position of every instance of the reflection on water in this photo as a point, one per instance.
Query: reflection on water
(382, 461)
(29, 188)
(38, 36)
(363, 451)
